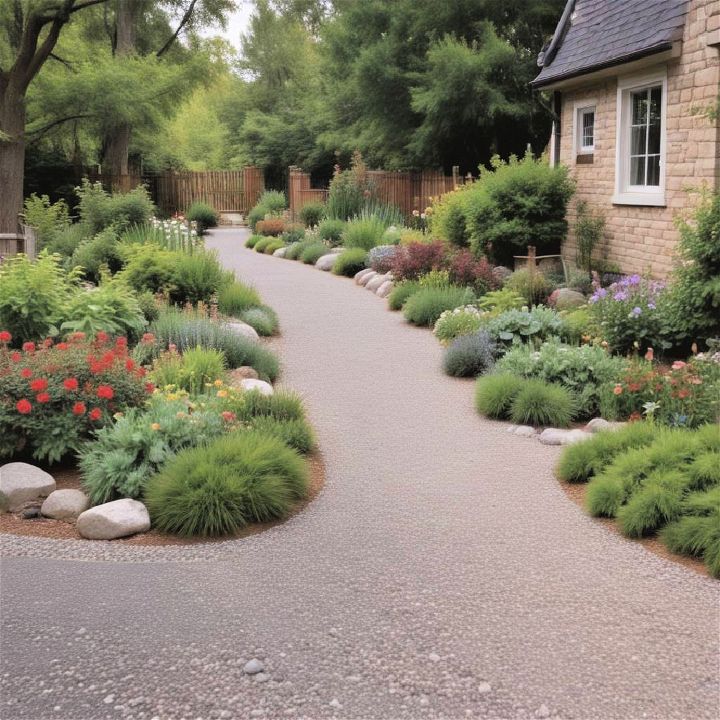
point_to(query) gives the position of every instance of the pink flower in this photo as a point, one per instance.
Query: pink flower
(678, 365)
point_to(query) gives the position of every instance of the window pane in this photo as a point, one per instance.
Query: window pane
(588, 132)
(637, 171)
(637, 140)
(653, 170)
(654, 121)
(655, 104)
(639, 107)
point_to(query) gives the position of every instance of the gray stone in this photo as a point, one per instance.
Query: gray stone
(511, 429)
(573, 436)
(280, 252)
(553, 436)
(371, 275)
(244, 329)
(501, 273)
(597, 424)
(484, 687)
(246, 372)
(326, 262)
(253, 667)
(375, 283)
(566, 299)
(525, 431)
(360, 274)
(262, 677)
(434, 657)
(385, 289)
(249, 384)
(65, 504)
(22, 483)
(31, 513)
(543, 711)
(115, 519)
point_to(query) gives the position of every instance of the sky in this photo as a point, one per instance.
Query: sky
(237, 23)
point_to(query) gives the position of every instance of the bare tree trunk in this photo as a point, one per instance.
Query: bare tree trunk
(116, 146)
(12, 157)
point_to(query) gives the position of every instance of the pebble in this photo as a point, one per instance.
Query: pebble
(262, 677)
(109, 699)
(484, 687)
(434, 657)
(31, 513)
(253, 667)
(543, 711)
(335, 703)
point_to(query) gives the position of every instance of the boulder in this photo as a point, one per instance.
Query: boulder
(361, 274)
(375, 283)
(244, 372)
(559, 436)
(21, 483)
(573, 436)
(115, 519)
(326, 262)
(525, 431)
(501, 273)
(371, 275)
(385, 289)
(280, 252)
(567, 299)
(260, 385)
(244, 329)
(65, 504)
(597, 424)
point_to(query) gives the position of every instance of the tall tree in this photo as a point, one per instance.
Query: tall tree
(29, 32)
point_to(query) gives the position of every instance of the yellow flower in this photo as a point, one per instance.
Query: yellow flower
(155, 426)
(222, 393)
(218, 383)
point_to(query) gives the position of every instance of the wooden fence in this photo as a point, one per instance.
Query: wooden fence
(406, 190)
(172, 192)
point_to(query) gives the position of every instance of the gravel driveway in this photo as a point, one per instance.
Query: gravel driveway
(442, 572)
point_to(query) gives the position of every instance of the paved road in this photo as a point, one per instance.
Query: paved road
(442, 573)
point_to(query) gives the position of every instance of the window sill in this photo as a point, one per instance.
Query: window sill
(642, 199)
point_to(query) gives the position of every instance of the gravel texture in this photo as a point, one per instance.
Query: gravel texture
(442, 572)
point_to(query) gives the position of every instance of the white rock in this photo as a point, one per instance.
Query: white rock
(543, 711)
(65, 504)
(280, 252)
(115, 519)
(244, 329)
(261, 386)
(511, 429)
(484, 687)
(253, 667)
(375, 283)
(385, 289)
(525, 431)
(337, 250)
(553, 436)
(361, 274)
(573, 436)
(597, 424)
(367, 278)
(326, 262)
(21, 483)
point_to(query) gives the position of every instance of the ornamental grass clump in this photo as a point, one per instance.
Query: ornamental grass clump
(261, 244)
(401, 293)
(425, 306)
(194, 371)
(264, 319)
(350, 262)
(217, 489)
(542, 403)
(271, 247)
(296, 434)
(494, 394)
(236, 297)
(460, 321)
(469, 355)
(283, 405)
(697, 532)
(331, 230)
(313, 252)
(253, 240)
(364, 233)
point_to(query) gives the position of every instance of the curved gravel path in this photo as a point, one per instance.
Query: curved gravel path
(441, 573)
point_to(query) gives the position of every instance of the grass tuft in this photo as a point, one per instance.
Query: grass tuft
(401, 293)
(350, 262)
(494, 394)
(425, 306)
(542, 403)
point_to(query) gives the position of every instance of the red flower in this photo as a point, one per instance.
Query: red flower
(121, 342)
(29, 347)
(70, 384)
(39, 384)
(105, 392)
(129, 364)
(228, 416)
(102, 337)
(62, 346)
(95, 414)
(47, 342)
(147, 339)
(634, 417)
(108, 358)
(77, 336)
(26, 373)
(16, 357)
(79, 408)
(23, 407)
(43, 397)
(5, 336)
(617, 390)
(96, 368)
(149, 387)
(682, 394)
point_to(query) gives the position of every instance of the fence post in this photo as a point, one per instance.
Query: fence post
(456, 176)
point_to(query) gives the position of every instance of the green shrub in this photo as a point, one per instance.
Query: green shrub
(274, 201)
(148, 305)
(296, 434)
(185, 331)
(98, 209)
(263, 319)
(123, 456)
(293, 233)
(271, 247)
(494, 394)
(219, 488)
(313, 252)
(400, 294)
(500, 301)
(455, 323)
(363, 233)
(283, 405)
(391, 236)
(34, 296)
(66, 240)
(312, 213)
(97, 254)
(533, 287)
(236, 297)
(253, 240)
(655, 504)
(448, 219)
(696, 535)
(518, 204)
(584, 369)
(192, 371)
(469, 355)
(425, 306)
(149, 269)
(350, 262)
(204, 215)
(331, 230)
(260, 245)
(296, 249)
(582, 461)
(526, 326)
(542, 403)
(196, 277)
(50, 220)
(577, 324)
(112, 307)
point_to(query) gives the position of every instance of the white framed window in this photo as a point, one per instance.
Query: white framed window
(584, 129)
(641, 130)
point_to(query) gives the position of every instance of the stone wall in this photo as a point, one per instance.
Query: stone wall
(642, 239)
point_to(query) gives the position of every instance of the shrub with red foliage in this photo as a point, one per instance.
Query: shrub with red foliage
(466, 269)
(416, 258)
(271, 226)
(46, 392)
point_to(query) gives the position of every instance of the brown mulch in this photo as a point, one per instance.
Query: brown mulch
(577, 492)
(69, 477)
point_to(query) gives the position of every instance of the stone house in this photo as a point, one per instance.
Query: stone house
(631, 84)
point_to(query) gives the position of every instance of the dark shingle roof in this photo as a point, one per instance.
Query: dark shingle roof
(602, 33)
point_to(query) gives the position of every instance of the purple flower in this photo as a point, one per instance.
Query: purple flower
(634, 280)
(651, 306)
(620, 296)
(602, 292)
(636, 311)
